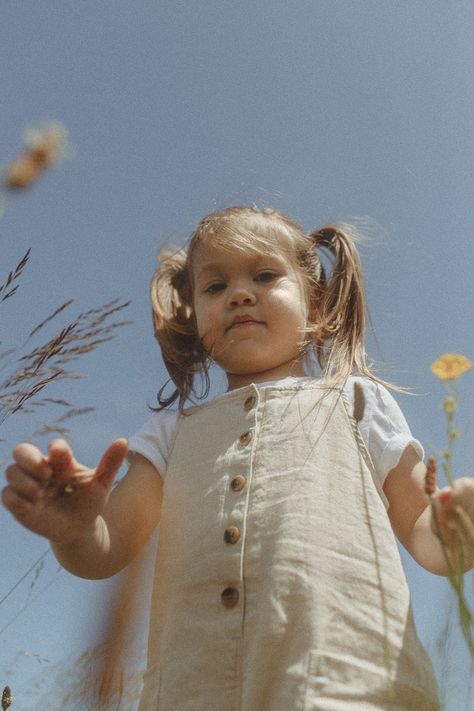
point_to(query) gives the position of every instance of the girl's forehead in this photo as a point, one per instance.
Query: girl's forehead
(209, 257)
(228, 244)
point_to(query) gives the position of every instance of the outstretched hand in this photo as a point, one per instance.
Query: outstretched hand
(55, 496)
(454, 507)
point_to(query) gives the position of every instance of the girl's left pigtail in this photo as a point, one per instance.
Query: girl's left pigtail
(341, 306)
(169, 297)
(174, 325)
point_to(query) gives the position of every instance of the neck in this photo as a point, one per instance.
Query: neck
(285, 370)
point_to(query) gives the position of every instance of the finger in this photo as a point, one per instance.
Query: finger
(444, 504)
(465, 526)
(111, 462)
(16, 504)
(445, 497)
(463, 494)
(31, 460)
(61, 458)
(22, 484)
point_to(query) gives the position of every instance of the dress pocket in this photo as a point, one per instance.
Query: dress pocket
(337, 682)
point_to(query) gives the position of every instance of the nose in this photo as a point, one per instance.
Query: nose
(241, 295)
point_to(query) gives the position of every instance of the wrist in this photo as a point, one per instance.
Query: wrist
(86, 534)
(84, 554)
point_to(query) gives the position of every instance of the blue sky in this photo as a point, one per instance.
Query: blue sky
(324, 109)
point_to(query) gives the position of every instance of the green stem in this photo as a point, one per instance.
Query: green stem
(456, 579)
(450, 408)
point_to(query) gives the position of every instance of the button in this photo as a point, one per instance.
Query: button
(231, 534)
(230, 597)
(250, 402)
(245, 438)
(238, 483)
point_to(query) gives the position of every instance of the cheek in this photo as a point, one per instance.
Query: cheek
(291, 304)
(206, 319)
(200, 323)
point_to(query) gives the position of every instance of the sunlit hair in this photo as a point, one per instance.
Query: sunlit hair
(336, 302)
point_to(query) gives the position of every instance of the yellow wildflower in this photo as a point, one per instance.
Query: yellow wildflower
(450, 366)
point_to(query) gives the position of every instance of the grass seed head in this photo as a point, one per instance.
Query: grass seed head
(430, 477)
(7, 698)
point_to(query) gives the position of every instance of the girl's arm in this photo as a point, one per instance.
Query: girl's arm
(93, 532)
(411, 514)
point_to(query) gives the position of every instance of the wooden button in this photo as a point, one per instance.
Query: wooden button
(245, 438)
(230, 597)
(250, 402)
(231, 534)
(238, 483)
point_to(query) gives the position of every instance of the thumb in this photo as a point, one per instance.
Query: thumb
(111, 462)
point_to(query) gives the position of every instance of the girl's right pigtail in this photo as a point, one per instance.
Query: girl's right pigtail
(174, 326)
(341, 306)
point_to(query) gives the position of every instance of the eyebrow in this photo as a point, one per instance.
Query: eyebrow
(212, 267)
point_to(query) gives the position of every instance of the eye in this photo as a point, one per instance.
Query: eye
(215, 287)
(265, 276)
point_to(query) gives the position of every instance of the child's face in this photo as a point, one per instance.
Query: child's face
(250, 313)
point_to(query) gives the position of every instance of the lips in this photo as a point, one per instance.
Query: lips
(242, 320)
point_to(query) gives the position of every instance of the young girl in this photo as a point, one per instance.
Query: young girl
(278, 582)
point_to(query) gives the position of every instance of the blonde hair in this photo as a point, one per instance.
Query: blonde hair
(336, 304)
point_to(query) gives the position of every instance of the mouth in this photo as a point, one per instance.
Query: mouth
(243, 321)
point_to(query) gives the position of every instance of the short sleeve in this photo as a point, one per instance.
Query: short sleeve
(383, 427)
(153, 439)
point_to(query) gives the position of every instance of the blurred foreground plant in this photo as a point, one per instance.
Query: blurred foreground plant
(45, 146)
(448, 368)
(7, 698)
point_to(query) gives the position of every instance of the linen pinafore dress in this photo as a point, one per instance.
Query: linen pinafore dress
(278, 583)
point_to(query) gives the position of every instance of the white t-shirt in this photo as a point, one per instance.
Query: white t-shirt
(383, 428)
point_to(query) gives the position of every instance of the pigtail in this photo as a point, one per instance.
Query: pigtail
(175, 327)
(341, 306)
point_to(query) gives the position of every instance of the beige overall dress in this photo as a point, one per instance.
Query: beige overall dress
(278, 583)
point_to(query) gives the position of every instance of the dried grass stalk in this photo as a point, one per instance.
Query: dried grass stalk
(45, 363)
(13, 276)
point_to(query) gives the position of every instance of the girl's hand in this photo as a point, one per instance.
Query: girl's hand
(454, 509)
(55, 496)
